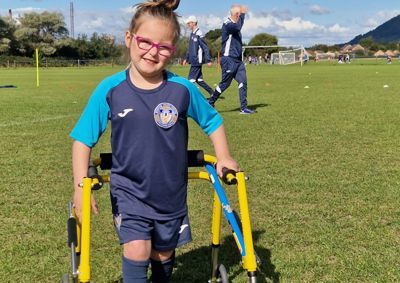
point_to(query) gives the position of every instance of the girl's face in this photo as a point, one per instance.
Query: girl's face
(151, 47)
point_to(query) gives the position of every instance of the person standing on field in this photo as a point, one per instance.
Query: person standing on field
(232, 65)
(198, 53)
(147, 108)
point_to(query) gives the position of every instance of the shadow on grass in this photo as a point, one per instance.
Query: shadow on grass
(195, 266)
(251, 106)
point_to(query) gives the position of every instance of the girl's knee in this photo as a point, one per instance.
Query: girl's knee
(138, 250)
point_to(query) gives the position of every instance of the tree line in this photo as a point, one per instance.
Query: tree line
(48, 32)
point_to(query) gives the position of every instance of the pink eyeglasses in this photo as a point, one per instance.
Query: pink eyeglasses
(146, 44)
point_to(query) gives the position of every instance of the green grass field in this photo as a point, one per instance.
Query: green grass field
(323, 162)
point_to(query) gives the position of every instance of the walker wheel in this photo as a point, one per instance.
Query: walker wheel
(222, 275)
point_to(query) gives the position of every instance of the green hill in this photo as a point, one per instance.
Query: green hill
(385, 33)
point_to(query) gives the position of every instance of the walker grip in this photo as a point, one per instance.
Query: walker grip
(94, 174)
(195, 158)
(229, 176)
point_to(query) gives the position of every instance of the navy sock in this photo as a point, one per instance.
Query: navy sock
(161, 271)
(134, 271)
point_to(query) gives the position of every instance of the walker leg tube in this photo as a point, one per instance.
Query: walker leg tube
(216, 236)
(84, 268)
(252, 277)
(249, 260)
(214, 262)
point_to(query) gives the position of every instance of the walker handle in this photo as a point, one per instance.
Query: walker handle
(229, 176)
(195, 158)
(94, 174)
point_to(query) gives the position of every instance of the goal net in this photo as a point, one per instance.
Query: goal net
(277, 54)
(283, 58)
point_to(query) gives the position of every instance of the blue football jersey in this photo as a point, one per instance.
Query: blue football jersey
(149, 139)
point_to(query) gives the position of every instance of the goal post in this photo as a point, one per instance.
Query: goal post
(280, 54)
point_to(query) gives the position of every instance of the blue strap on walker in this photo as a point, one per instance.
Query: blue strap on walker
(226, 206)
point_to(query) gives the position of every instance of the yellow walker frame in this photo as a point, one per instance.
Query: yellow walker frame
(79, 234)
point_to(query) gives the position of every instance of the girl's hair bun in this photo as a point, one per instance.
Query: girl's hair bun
(169, 4)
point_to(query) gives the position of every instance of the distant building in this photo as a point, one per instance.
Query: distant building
(379, 53)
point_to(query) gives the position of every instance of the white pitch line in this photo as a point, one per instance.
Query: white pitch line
(11, 124)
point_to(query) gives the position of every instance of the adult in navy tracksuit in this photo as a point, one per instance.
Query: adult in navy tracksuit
(231, 58)
(198, 53)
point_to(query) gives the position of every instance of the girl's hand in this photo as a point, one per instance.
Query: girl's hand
(77, 198)
(228, 163)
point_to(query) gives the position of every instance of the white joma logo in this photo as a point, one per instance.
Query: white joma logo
(125, 112)
(183, 227)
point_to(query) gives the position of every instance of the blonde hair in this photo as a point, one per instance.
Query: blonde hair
(162, 9)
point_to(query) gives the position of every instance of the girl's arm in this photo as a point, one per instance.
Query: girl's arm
(80, 163)
(218, 138)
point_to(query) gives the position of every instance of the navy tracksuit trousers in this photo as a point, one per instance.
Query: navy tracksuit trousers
(232, 69)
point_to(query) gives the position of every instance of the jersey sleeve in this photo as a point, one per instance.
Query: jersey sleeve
(199, 110)
(202, 112)
(232, 27)
(93, 121)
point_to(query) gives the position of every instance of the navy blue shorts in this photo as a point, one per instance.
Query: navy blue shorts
(165, 235)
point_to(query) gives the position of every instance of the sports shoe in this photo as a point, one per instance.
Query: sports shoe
(247, 111)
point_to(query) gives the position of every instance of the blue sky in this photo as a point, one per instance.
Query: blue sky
(294, 22)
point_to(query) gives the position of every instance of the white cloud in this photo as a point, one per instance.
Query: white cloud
(111, 22)
(387, 15)
(288, 28)
(208, 22)
(370, 23)
(26, 10)
(17, 13)
(297, 25)
(336, 28)
(318, 10)
(258, 23)
(93, 24)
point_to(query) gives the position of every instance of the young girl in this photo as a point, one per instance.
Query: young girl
(148, 109)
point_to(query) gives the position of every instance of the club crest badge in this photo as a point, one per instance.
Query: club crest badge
(165, 115)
